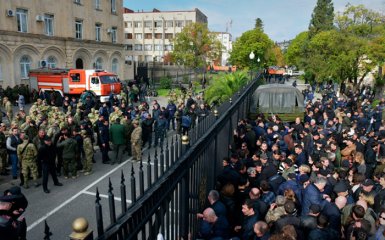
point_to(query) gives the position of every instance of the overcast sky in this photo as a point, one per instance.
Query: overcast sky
(283, 19)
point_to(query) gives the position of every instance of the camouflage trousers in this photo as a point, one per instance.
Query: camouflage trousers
(137, 151)
(69, 166)
(3, 160)
(26, 167)
(87, 164)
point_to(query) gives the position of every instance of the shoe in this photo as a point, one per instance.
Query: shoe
(58, 184)
(46, 191)
(65, 177)
(81, 171)
(74, 177)
(87, 173)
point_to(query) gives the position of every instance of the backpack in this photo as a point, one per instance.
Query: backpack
(186, 121)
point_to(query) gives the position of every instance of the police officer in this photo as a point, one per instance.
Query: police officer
(27, 153)
(89, 152)
(136, 141)
(160, 130)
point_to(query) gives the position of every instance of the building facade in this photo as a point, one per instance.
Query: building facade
(82, 34)
(148, 35)
(226, 40)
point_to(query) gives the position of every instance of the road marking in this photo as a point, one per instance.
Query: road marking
(105, 196)
(34, 224)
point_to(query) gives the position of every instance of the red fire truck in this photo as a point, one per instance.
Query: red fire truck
(75, 82)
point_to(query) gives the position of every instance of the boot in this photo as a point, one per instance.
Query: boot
(25, 182)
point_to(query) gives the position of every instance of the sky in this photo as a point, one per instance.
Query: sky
(282, 19)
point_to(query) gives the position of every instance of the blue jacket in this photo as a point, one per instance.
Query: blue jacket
(312, 195)
(293, 185)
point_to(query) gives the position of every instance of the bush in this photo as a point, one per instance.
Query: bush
(166, 82)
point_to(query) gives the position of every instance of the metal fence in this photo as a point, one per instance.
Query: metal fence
(168, 191)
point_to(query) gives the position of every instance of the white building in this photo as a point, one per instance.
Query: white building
(147, 35)
(226, 40)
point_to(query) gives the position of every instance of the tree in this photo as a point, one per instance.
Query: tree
(322, 17)
(295, 51)
(195, 46)
(252, 41)
(258, 24)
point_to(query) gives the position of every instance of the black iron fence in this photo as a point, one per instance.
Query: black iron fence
(171, 186)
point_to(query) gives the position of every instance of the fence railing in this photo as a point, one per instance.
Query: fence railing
(167, 193)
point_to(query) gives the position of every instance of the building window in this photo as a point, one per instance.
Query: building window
(115, 65)
(97, 5)
(169, 23)
(79, 29)
(148, 58)
(168, 36)
(25, 66)
(148, 36)
(158, 36)
(128, 47)
(138, 47)
(128, 24)
(158, 47)
(114, 34)
(99, 63)
(168, 47)
(158, 24)
(128, 35)
(137, 24)
(148, 47)
(138, 36)
(178, 23)
(147, 24)
(48, 24)
(21, 16)
(51, 62)
(113, 6)
(98, 32)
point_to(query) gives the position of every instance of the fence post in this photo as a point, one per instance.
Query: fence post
(80, 230)
(133, 184)
(141, 178)
(156, 162)
(123, 193)
(111, 202)
(149, 181)
(99, 214)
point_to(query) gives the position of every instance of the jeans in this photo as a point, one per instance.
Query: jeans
(14, 161)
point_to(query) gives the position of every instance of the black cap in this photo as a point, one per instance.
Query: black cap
(292, 175)
(340, 187)
(368, 182)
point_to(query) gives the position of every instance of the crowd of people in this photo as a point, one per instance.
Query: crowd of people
(321, 177)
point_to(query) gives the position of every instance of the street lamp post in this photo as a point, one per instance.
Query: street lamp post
(258, 60)
(251, 56)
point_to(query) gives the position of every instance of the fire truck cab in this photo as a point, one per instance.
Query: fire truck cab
(75, 81)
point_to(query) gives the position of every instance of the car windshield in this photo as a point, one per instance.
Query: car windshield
(108, 79)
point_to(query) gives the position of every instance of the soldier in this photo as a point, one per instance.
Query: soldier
(129, 127)
(69, 153)
(89, 152)
(27, 153)
(8, 108)
(136, 141)
(3, 150)
(38, 141)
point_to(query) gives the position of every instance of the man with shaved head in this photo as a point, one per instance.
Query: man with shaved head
(213, 226)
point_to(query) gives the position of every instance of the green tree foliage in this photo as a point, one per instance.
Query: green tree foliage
(252, 41)
(258, 24)
(195, 46)
(322, 17)
(296, 50)
(224, 86)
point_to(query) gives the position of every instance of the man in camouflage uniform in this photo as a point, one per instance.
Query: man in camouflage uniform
(69, 153)
(27, 153)
(136, 141)
(8, 108)
(89, 152)
(3, 150)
